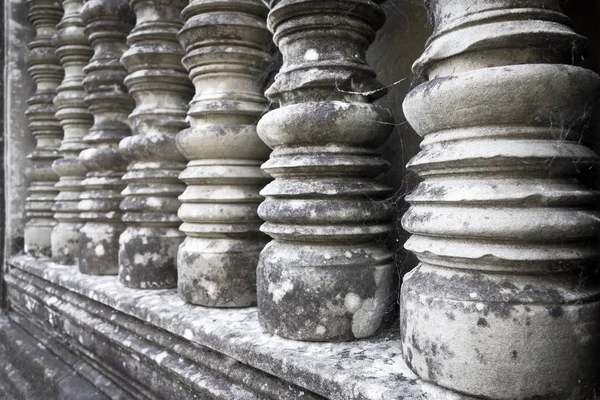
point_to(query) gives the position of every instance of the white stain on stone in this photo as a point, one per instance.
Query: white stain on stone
(277, 291)
(367, 319)
(352, 301)
(210, 287)
(188, 334)
(139, 259)
(473, 295)
(480, 306)
(127, 343)
(320, 330)
(311, 55)
(99, 250)
(52, 300)
(348, 254)
(160, 357)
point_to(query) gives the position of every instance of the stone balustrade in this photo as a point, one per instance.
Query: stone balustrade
(226, 43)
(281, 204)
(505, 235)
(159, 84)
(107, 24)
(74, 51)
(326, 275)
(47, 73)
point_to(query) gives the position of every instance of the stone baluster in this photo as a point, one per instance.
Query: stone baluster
(73, 49)
(504, 233)
(226, 43)
(327, 275)
(108, 22)
(47, 73)
(161, 89)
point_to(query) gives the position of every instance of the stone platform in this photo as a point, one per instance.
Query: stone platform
(124, 343)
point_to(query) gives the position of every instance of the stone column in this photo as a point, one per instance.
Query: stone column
(73, 49)
(47, 74)
(226, 43)
(503, 304)
(107, 24)
(327, 275)
(161, 89)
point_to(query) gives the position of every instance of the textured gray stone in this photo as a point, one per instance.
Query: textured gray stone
(32, 371)
(74, 51)
(47, 73)
(161, 89)
(226, 44)
(370, 369)
(328, 274)
(108, 22)
(17, 142)
(504, 303)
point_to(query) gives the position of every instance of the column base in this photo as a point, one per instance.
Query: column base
(218, 272)
(99, 248)
(325, 293)
(65, 243)
(148, 257)
(463, 330)
(37, 237)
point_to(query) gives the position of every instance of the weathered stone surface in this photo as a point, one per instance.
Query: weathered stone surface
(33, 368)
(226, 44)
(74, 51)
(108, 23)
(192, 345)
(46, 72)
(327, 275)
(161, 89)
(504, 304)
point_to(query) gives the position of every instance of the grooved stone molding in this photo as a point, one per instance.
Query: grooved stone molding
(73, 49)
(151, 341)
(161, 89)
(327, 275)
(108, 22)
(504, 233)
(226, 44)
(47, 73)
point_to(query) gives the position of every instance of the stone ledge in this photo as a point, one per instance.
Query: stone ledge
(369, 369)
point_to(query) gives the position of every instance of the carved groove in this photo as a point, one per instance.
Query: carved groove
(47, 74)
(226, 43)
(107, 24)
(326, 275)
(74, 52)
(503, 232)
(161, 89)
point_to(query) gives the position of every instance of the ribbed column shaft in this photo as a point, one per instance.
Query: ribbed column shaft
(327, 275)
(504, 232)
(161, 89)
(74, 51)
(47, 73)
(108, 22)
(226, 44)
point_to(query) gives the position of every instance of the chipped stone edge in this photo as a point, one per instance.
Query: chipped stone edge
(369, 369)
